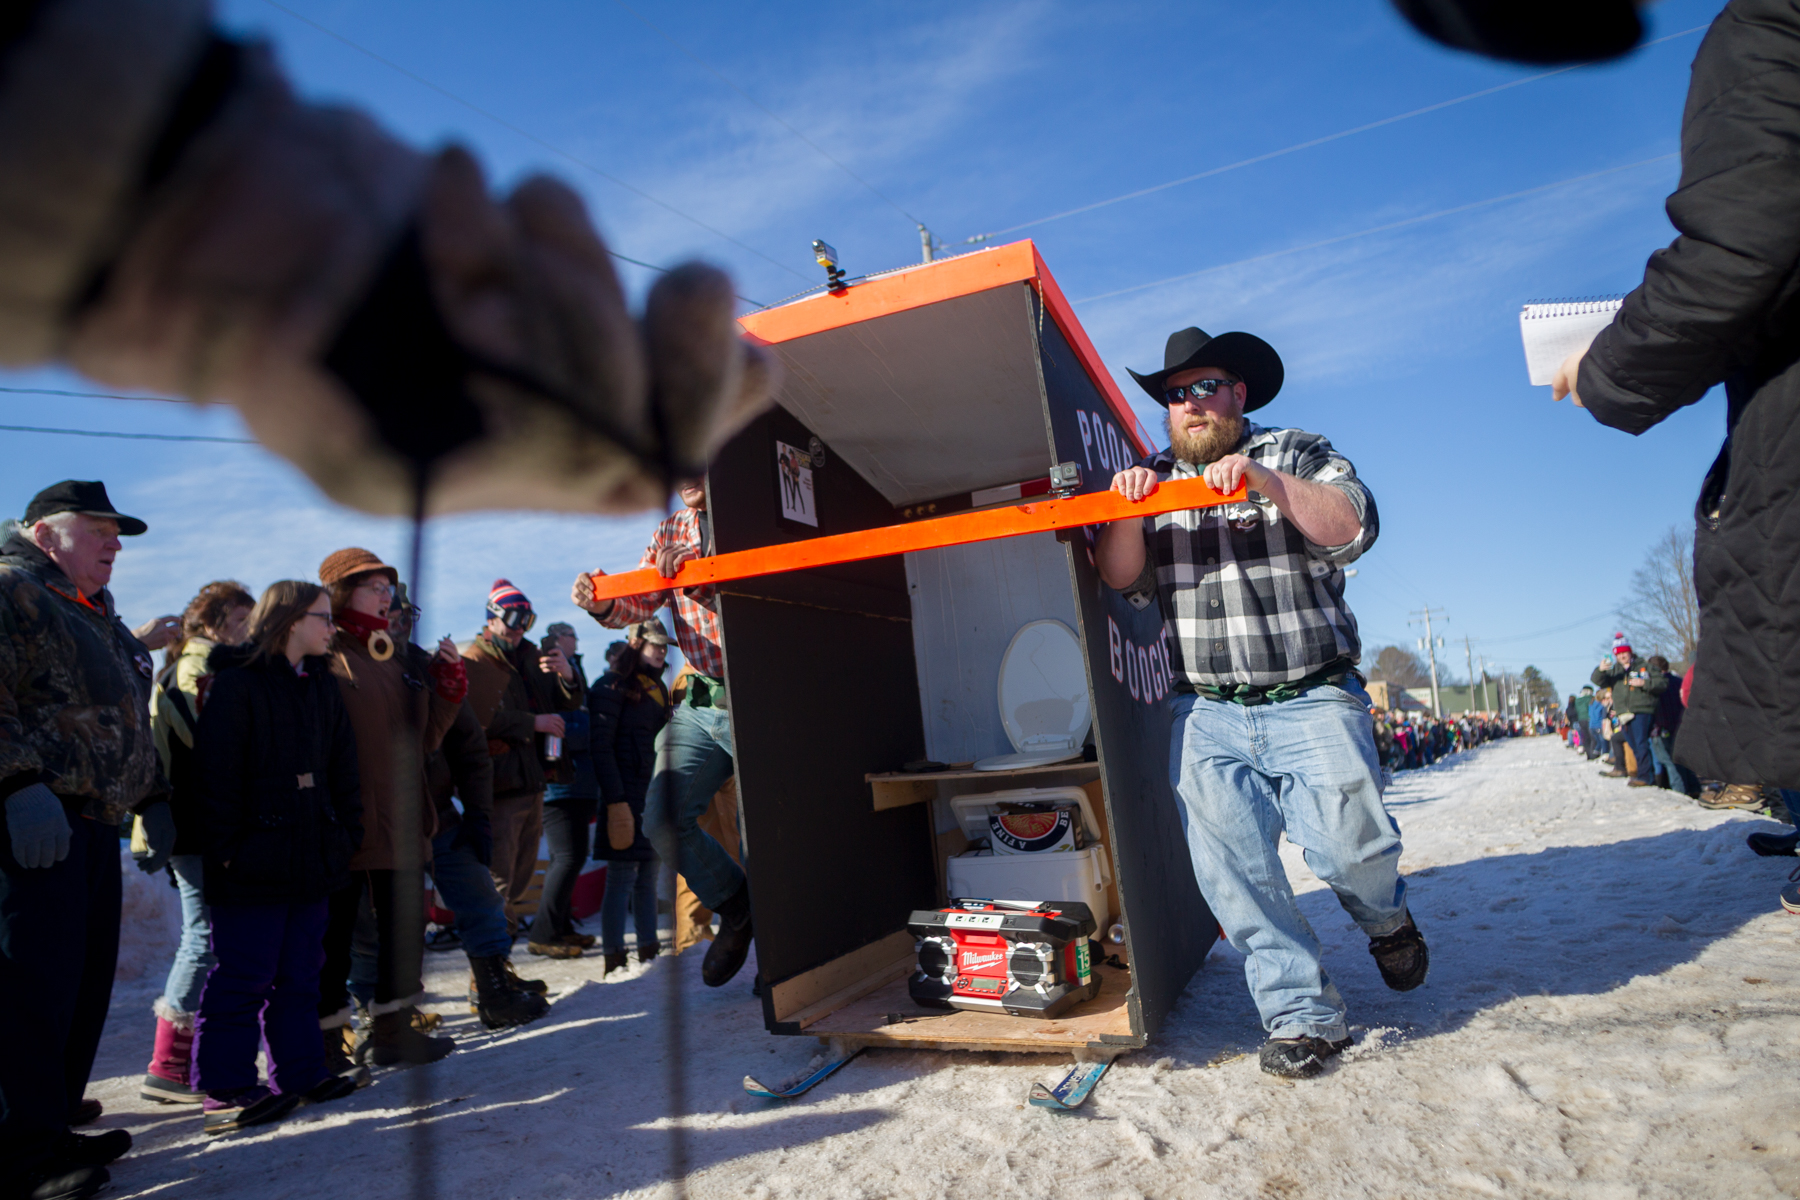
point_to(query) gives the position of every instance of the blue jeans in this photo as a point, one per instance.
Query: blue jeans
(1305, 766)
(468, 889)
(693, 761)
(628, 884)
(1680, 778)
(193, 956)
(1637, 733)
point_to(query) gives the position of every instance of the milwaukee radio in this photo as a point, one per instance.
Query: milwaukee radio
(1020, 957)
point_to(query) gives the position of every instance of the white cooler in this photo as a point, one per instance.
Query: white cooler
(1080, 875)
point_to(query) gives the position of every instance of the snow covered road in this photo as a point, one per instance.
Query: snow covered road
(1612, 1012)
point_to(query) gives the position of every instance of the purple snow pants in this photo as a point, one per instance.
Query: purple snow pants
(263, 988)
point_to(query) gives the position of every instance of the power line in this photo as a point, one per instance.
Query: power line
(720, 76)
(1306, 145)
(19, 391)
(135, 437)
(1332, 241)
(534, 139)
(1525, 637)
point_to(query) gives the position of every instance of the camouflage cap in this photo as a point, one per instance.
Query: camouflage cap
(651, 631)
(558, 629)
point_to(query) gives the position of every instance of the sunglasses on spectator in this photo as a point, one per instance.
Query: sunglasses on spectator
(410, 613)
(1199, 390)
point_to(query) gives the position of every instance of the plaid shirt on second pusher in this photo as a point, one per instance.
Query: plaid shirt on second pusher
(1247, 598)
(696, 609)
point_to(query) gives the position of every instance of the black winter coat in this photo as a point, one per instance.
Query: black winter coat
(1722, 304)
(280, 793)
(623, 741)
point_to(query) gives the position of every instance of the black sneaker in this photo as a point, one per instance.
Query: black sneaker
(85, 1112)
(60, 1179)
(1402, 957)
(332, 1087)
(246, 1108)
(1298, 1057)
(94, 1150)
(1774, 845)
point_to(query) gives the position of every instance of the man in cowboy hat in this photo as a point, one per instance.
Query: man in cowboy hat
(1271, 724)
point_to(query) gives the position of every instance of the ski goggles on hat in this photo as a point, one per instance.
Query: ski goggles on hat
(514, 617)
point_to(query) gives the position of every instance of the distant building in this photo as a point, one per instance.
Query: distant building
(1457, 698)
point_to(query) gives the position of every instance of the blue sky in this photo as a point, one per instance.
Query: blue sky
(1513, 515)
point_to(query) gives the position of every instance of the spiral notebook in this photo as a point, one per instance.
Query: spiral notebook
(1555, 329)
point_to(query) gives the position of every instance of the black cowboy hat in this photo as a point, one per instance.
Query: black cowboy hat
(1243, 354)
(79, 496)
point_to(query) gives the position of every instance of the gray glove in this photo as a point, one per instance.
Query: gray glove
(39, 827)
(159, 831)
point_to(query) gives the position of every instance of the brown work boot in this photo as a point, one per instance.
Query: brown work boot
(394, 1040)
(1745, 796)
(553, 949)
(536, 986)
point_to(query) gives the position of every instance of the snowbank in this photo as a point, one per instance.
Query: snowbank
(1611, 1013)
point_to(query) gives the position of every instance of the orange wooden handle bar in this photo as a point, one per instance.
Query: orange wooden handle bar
(1092, 509)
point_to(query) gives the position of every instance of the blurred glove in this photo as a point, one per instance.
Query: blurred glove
(477, 834)
(621, 830)
(158, 825)
(369, 309)
(38, 825)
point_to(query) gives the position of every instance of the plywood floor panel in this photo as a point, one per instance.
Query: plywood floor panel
(868, 1022)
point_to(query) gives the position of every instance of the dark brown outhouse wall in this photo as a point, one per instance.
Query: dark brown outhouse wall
(823, 690)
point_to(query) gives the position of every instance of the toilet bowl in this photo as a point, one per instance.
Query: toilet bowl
(1045, 706)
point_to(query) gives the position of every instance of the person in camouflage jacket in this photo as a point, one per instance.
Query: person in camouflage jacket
(76, 757)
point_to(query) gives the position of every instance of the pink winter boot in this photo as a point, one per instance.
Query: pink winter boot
(167, 1079)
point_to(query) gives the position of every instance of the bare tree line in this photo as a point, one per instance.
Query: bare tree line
(1660, 614)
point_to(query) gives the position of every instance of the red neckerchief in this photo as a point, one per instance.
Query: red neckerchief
(359, 625)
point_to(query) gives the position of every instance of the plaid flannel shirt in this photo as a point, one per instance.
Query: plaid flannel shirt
(1246, 597)
(696, 609)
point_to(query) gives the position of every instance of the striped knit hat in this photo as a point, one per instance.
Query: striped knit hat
(503, 596)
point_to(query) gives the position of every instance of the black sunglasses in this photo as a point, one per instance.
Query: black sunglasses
(1199, 389)
(410, 613)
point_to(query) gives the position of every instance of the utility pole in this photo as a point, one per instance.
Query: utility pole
(925, 243)
(1469, 656)
(1431, 644)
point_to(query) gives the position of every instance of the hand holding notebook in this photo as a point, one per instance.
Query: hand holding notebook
(1554, 330)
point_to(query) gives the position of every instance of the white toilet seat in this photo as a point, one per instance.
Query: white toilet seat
(1045, 704)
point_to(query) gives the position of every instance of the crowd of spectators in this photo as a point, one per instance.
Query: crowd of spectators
(1407, 740)
(294, 767)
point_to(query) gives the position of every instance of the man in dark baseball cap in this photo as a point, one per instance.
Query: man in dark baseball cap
(87, 497)
(66, 785)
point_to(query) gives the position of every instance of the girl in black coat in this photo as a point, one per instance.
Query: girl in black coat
(281, 815)
(627, 708)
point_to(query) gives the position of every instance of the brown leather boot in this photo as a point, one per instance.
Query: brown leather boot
(394, 1040)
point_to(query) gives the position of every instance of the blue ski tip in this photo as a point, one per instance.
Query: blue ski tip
(801, 1086)
(1074, 1089)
